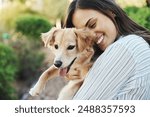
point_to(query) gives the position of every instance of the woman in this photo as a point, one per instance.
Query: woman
(122, 71)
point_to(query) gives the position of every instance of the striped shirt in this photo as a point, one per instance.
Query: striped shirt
(122, 72)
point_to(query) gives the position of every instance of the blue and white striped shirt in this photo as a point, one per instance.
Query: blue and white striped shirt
(122, 72)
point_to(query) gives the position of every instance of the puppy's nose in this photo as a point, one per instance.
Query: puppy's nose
(58, 64)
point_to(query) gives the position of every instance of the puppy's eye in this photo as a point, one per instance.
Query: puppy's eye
(56, 46)
(70, 47)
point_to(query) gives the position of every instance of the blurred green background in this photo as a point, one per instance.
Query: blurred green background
(22, 57)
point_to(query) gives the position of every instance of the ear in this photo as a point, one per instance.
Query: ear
(48, 37)
(85, 38)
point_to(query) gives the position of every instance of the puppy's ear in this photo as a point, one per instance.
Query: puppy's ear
(85, 38)
(48, 37)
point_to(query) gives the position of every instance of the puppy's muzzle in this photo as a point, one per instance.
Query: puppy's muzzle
(58, 64)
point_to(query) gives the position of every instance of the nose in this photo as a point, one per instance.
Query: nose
(58, 64)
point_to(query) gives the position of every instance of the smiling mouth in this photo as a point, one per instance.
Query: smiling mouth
(64, 71)
(100, 38)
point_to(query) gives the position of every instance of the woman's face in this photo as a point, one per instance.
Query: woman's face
(102, 25)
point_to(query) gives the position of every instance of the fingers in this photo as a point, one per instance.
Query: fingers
(73, 73)
(87, 52)
(73, 77)
(85, 56)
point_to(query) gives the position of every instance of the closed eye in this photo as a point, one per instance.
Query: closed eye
(70, 47)
(92, 25)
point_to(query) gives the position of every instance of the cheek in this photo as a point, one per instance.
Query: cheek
(112, 35)
(54, 51)
(71, 53)
(68, 57)
(112, 29)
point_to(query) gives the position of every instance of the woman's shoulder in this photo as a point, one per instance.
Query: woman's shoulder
(131, 39)
(133, 44)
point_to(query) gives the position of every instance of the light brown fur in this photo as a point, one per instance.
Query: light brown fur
(64, 39)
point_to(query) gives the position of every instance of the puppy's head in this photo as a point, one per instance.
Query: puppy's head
(67, 44)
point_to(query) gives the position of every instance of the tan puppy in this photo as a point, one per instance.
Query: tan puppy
(73, 52)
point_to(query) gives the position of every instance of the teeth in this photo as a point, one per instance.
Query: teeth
(100, 39)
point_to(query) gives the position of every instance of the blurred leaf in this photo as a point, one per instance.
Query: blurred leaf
(139, 15)
(32, 25)
(8, 70)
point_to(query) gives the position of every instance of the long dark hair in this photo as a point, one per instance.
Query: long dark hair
(123, 23)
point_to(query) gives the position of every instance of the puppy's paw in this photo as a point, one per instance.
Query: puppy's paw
(34, 92)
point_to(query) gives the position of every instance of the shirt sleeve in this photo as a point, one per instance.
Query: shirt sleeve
(108, 74)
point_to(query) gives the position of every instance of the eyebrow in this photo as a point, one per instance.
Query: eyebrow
(88, 22)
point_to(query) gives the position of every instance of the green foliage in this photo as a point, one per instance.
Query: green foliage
(31, 25)
(8, 70)
(30, 59)
(139, 15)
(131, 10)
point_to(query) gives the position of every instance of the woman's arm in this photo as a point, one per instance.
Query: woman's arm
(108, 74)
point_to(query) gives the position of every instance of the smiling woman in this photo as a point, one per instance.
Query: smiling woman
(99, 23)
(122, 71)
